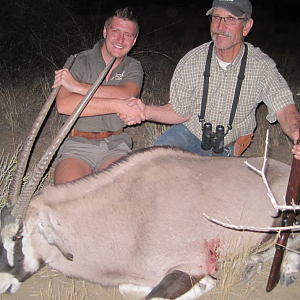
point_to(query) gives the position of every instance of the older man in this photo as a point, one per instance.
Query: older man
(217, 86)
(97, 138)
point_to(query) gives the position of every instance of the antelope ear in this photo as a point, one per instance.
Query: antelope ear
(53, 238)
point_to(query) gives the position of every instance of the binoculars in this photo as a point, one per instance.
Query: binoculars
(212, 140)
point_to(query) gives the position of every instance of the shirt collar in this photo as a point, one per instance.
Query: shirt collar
(236, 63)
(98, 54)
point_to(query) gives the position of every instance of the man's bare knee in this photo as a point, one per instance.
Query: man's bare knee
(109, 162)
(71, 169)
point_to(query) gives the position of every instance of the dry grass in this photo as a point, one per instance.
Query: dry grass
(8, 166)
(64, 292)
(20, 105)
(49, 284)
(230, 273)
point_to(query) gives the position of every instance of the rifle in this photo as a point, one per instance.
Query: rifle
(288, 217)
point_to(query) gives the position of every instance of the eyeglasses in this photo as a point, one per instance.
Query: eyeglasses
(227, 20)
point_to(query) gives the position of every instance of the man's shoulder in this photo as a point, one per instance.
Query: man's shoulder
(198, 51)
(130, 61)
(82, 57)
(195, 56)
(258, 56)
(87, 64)
(94, 52)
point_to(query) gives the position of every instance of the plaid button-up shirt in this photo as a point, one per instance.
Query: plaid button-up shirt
(262, 82)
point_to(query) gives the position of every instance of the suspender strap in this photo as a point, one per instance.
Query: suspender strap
(206, 81)
(206, 74)
(241, 77)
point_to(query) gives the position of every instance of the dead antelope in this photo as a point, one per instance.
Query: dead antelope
(139, 224)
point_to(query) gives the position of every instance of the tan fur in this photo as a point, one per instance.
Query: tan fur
(143, 217)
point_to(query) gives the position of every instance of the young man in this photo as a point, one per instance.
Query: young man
(230, 22)
(97, 138)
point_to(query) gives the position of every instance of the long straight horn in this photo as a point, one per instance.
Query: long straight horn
(23, 158)
(21, 206)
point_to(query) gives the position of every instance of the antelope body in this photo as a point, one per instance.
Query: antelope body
(140, 222)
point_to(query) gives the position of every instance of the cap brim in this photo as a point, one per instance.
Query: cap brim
(231, 8)
(209, 12)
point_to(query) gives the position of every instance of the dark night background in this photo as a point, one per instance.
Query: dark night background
(37, 36)
(29, 27)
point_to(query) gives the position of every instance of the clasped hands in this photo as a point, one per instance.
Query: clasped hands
(134, 112)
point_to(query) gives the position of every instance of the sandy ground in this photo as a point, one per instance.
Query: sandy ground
(49, 284)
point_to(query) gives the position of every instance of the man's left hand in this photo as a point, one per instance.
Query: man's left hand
(296, 149)
(64, 78)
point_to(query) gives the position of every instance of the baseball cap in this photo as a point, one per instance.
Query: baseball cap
(237, 7)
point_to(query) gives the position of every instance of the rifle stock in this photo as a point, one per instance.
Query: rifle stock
(288, 217)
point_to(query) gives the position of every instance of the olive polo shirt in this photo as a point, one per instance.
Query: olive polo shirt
(87, 67)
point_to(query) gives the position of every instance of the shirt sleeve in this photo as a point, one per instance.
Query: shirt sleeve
(276, 93)
(182, 89)
(134, 73)
(77, 67)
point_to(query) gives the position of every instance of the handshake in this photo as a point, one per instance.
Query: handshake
(132, 111)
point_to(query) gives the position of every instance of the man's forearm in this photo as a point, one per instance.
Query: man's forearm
(164, 114)
(289, 119)
(97, 106)
(110, 91)
(65, 79)
(66, 103)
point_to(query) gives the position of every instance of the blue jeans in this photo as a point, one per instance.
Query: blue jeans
(180, 136)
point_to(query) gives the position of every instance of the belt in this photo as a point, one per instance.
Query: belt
(94, 135)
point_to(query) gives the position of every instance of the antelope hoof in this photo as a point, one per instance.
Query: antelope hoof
(254, 266)
(290, 268)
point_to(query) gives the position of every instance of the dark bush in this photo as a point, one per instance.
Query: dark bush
(35, 36)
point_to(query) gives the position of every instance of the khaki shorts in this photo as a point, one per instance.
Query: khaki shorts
(94, 155)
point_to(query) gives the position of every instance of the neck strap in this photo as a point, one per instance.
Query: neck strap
(240, 77)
